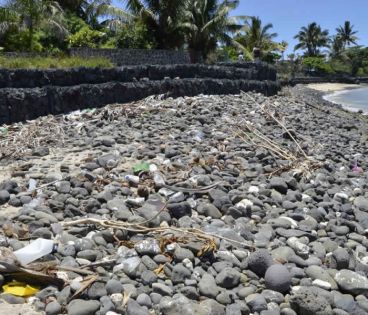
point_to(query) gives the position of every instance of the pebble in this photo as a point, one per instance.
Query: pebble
(289, 244)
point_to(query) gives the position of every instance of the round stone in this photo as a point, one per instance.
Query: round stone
(278, 278)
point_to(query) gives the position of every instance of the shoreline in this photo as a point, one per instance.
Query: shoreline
(332, 87)
(331, 90)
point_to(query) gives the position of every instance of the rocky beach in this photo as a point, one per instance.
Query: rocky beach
(228, 205)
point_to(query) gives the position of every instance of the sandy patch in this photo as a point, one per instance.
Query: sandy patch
(332, 87)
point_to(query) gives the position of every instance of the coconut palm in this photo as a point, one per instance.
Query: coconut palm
(346, 34)
(256, 35)
(96, 13)
(162, 18)
(33, 15)
(337, 47)
(207, 22)
(312, 38)
(282, 47)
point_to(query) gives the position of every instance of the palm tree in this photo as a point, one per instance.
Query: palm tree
(96, 13)
(162, 18)
(257, 36)
(312, 38)
(346, 34)
(282, 47)
(337, 46)
(206, 23)
(33, 15)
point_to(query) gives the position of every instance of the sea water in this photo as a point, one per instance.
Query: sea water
(354, 99)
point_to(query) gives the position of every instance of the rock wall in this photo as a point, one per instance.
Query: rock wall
(135, 56)
(27, 94)
(30, 78)
(29, 103)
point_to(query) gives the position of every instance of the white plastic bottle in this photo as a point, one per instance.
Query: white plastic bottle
(37, 249)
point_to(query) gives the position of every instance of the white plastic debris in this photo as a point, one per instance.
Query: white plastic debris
(37, 249)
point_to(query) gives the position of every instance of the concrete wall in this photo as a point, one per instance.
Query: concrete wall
(135, 56)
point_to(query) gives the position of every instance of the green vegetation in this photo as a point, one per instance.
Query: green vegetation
(206, 28)
(53, 62)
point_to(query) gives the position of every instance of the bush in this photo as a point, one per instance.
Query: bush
(86, 37)
(134, 36)
(53, 62)
(317, 65)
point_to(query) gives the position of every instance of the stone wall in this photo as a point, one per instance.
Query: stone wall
(135, 56)
(30, 78)
(29, 103)
(28, 94)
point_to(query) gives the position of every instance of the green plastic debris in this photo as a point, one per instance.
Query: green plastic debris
(141, 167)
(3, 131)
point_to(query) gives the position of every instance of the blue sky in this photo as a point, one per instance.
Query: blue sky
(288, 16)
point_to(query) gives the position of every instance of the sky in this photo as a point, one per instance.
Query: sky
(288, 16)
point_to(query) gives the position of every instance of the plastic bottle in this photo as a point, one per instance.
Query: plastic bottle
(37, 249)
(132, 179)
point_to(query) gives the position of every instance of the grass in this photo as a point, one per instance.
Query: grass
(53, 62)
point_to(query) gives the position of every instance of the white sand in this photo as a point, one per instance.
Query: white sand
(332, 87)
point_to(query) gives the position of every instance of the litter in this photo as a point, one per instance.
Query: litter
(20, 289)
(141, 167)
(37, 249)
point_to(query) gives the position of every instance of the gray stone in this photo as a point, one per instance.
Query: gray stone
(97, 290)
(361, 203)
(351, 282)
(114, 286)
(278, 278)
(182, 253)
(207, 286)
(181, 209)
(106, 305)
(279, 184)
(179, 304)
(82, 307)
(211, 307)
(306, 301)
(149, 246)
(143, 299)
(4, 196)
(148, 277)
(179, 274)
(317, 272)
(162, 289)
(256, 302)
(53, 308)
(228, 278)
(133, 308)
(259, 261)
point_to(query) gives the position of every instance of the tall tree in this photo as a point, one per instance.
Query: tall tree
(207, 22)
(337, 46)
(311, 39)
(163, 19)
(35, 14)
(347, 34)
(256, 35)
(96, 13)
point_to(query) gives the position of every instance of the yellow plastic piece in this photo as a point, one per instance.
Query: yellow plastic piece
(19, 289)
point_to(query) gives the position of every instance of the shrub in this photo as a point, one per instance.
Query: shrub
(317, 65)
(86, 37)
